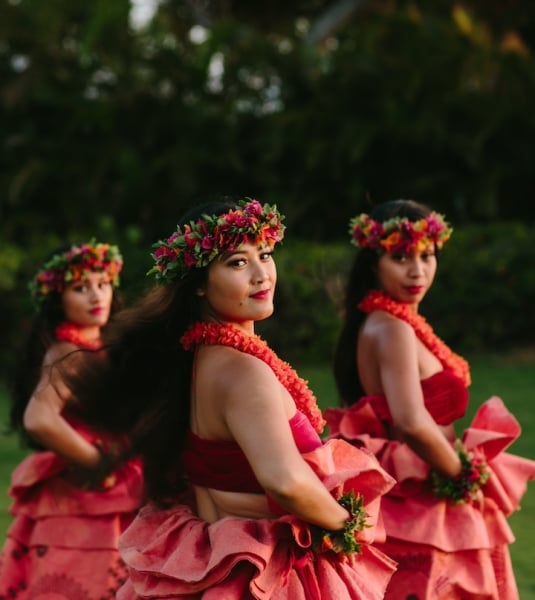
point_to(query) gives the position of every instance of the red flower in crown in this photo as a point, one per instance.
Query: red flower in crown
(196, 244)
(71, 265)
(399, 234)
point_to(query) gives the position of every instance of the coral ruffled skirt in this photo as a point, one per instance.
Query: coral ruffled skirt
(174, 554)
(62, 544)
(446, 551)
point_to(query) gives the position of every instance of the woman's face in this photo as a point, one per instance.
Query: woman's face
(240, 286)
(407, 277)
(87, 303)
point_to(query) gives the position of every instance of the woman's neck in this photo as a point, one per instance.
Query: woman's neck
(83, 337)
(246, 327)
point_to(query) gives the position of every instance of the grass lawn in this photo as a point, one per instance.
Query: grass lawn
(511, 377)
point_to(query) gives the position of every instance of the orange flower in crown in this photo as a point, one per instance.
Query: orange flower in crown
(197, 243)
(70, 266)
(399, 235)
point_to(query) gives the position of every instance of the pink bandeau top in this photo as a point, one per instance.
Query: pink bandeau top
(221, 464)
(445, 397)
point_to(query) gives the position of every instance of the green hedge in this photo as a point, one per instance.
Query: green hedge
(482, 298)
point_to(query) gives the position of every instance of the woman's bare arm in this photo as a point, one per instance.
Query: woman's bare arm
(43, 420)
(397, 357)
(255, 408)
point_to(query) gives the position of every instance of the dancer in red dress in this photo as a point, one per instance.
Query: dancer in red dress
(244, 500)
(403, 389)
(71, 499)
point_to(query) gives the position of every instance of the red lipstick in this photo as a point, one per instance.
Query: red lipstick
(261, 295)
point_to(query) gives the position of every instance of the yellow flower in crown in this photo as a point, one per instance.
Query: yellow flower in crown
(391, 242)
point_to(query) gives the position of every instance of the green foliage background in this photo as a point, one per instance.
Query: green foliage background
(110, 130)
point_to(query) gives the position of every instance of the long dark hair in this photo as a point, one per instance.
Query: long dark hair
(361, 280)
(39, 339)
(142, 385)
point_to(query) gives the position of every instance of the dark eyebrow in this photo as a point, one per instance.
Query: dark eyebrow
(226, 255)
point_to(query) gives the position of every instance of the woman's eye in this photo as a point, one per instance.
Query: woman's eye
(266, 255)
(237, 262)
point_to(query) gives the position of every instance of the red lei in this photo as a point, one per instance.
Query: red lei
(68, 332)
(376, 300)
(227, 335)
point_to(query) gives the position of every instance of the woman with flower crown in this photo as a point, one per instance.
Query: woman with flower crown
(403, 389)
(72, 496)
(243, 500)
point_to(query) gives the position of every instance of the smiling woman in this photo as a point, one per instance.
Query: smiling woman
(403, 390)
(243, 499)
(74, 481)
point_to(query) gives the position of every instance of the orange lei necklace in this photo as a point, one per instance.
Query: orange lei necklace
(376, 300)
(68, 332)
(227, 335)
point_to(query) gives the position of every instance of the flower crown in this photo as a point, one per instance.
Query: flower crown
(197, 243)
(71, 265)
(399, 235)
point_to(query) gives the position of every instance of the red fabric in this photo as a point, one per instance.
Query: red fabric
(445, 551)
(174, 554)
(445, 396)
(62, 543)
(221, 464)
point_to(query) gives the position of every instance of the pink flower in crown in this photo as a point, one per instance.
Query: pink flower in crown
(239, 219)
(189, 258)
(173, 238)
(163, 255)
(227, 239)
(434, 224)
(190, 237)
(207, 242)
(271, 234)
(411, 232)
(366, 231)
(255, 209)
(164, 251)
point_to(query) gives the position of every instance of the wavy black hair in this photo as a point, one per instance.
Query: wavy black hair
(142, 386)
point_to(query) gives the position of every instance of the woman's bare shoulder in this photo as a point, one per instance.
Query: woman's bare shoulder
(228, 366)
(57, 351)
(380, 324)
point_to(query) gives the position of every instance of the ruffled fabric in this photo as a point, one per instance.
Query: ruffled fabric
(174, 554)
(445, 550)
(63, 539)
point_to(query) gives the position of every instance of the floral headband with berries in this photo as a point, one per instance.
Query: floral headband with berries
(70, 266)
(399, 235)
(196, 244)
